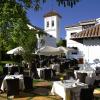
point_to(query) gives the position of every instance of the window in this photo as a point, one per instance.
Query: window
(73, 33)
(47, 23)
(74, 53)
(52, 23)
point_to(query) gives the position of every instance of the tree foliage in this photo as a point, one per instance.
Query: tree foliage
(13, 24)
(61, 43)
(14, 30)
(36, 4)
(66, 3)
(13, 20)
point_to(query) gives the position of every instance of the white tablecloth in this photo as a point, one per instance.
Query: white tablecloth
(21, 81)
(64, 89)
(11, 65)
(39, 70)
(55, 67)
(90, 78)
(89, 73)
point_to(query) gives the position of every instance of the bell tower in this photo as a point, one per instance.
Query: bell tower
(52, 24)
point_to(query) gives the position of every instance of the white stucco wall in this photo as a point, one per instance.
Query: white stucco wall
(51, 41)
(48, 40)
(90, 46)
(72, 43)
(72, 30)
(55, 30)
(91, 49)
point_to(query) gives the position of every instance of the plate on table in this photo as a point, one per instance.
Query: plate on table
(80, 84)
(69, 81)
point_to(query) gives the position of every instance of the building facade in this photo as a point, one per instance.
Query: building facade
(86, 37)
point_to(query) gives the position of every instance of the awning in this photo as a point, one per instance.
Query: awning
(16, 51)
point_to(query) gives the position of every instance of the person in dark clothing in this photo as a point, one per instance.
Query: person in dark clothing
(34, 73)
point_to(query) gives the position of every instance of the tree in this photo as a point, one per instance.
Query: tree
(13, 18)
(36, 4)
(14, 30)
(61, 43)
(13, 24)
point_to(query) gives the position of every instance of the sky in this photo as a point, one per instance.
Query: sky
(84, 10)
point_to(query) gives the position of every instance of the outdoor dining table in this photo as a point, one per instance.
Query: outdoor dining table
(21, 81)
(89, 73)
(55, 67)
(9, 67)
(41, 69)
(64, 89)
(90, 78)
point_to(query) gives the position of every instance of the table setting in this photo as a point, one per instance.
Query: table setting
(64, 88)
(21, 81)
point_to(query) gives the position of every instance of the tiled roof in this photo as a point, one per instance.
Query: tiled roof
(51, 13)
(86, 21)
(88, 33)
(82, 23)
(74, 25)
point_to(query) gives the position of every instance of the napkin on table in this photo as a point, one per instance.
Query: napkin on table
(75, 83)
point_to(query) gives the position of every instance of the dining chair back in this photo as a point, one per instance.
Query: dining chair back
(21, 70)
(81, 77)
(47, 74)
(12, 87)
(86, 94)
(14, 70)
(28, 82)
(96, 84)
